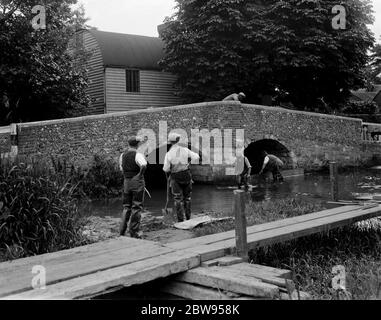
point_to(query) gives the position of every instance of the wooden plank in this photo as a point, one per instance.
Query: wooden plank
(217, 245)
(253, 269)
(270, 236)
(215, 238)
(114, 279)
(195, 222)
(210, 263)
(212, 251)
(195, 292)
(83, 251)
(20, 279)
(223, 261)
(254, 273)
(240, 225)
(214, 277)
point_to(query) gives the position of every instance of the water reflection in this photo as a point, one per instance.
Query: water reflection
(208, 198)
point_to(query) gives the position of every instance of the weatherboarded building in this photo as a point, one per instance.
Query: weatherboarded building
(124, 73)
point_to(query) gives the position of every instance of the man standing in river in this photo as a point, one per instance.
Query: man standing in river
(176, 168)
(242, 167)
(272, 164)
(133, 165)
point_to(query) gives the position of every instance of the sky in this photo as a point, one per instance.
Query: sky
(143, 16)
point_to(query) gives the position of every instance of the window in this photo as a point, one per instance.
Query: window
(132, 81)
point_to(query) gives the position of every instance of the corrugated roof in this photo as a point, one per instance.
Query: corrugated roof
(129, 51)
(365, 96)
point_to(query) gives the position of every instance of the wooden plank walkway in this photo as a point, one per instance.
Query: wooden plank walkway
(229, 278)
(107, 266)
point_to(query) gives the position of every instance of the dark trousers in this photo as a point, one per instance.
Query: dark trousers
(181, 185)
(242, 179)
(133, 198)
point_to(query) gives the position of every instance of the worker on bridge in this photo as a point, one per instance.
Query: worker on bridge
(235, 97)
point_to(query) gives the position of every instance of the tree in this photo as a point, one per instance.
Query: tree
(375, 65)
(286, 49)
(39, 78)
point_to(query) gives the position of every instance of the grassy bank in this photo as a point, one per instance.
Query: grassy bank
(357, 248)
(38, 212)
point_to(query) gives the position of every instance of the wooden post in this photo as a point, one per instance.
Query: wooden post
(333, 169)
(240, 225)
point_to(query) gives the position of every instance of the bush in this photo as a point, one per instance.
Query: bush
(38, 214)
(102, 180)
(360, 107)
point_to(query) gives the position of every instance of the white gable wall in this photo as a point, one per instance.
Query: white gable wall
(156, 90)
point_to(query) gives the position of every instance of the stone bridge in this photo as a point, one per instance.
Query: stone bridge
(302, 139)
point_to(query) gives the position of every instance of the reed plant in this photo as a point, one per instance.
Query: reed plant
(38, 212)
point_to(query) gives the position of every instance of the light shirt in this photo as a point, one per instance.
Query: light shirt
(240, 162)
(177, 159)
(266, 161)
(140, 160)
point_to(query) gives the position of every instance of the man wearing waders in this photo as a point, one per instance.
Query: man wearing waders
(133, 165)
(242, 167)
(176, 168)
(272, 164)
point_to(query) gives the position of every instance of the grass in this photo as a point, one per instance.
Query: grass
(311, 258)
(265, 211)
(38, 213)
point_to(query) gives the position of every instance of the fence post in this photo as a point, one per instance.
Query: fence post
(334, 176)
(240, 225)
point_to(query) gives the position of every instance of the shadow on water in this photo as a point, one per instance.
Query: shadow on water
(211, 198)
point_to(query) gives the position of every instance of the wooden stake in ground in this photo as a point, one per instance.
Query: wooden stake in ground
(333, 169)
(240, 225)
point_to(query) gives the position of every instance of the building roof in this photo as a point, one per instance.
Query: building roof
(365, 96)
(129, 51)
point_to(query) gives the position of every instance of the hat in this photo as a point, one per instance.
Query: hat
(174, 137)
(134, 141)
(242, 94)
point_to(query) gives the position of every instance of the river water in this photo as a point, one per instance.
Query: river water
(211, 198)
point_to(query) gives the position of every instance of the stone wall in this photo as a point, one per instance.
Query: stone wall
(311, 138)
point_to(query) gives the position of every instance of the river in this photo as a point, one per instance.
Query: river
(211, 198)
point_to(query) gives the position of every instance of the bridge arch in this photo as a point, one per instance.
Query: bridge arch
(272, 146)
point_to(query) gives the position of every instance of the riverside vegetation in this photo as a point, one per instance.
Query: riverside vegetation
(39, 213)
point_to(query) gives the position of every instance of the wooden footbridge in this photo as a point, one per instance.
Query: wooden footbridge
(96, 269)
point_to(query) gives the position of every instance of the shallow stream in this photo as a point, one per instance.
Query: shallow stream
(211, 198)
